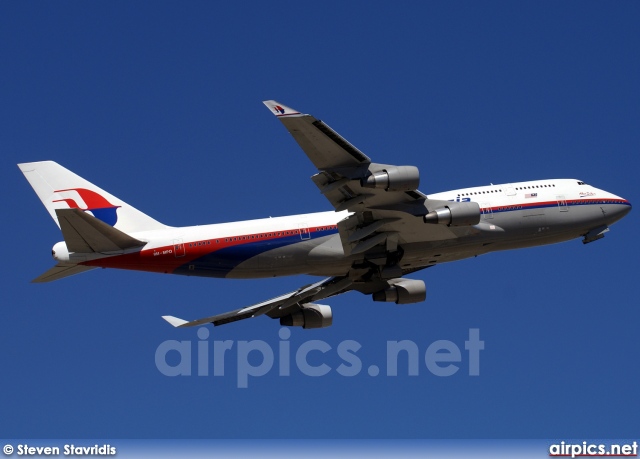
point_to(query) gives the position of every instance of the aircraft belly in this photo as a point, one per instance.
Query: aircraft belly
(509, 230)
(221, 262)
(323, 256)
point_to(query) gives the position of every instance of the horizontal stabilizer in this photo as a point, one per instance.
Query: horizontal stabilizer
(86, 234)
(61, 270)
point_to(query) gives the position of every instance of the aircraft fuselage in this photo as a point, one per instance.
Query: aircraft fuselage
(514, 216)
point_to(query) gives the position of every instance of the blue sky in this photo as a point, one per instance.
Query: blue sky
(160, 103)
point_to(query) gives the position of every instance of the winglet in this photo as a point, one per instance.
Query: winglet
(175, 321)
(279, 109)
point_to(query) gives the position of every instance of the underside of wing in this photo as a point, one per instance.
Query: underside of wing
(386, 209)
(324, 147)
(293, 309)
(299, 308)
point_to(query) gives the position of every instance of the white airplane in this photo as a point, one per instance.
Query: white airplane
(382, 228)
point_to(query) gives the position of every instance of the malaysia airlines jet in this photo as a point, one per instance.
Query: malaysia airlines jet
(382, 228)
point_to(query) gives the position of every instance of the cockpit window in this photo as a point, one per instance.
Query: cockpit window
(581, 183)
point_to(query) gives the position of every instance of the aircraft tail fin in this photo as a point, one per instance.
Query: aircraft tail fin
(59, 188)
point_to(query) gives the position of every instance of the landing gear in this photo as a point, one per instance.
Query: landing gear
(595, 234)
(382, 263)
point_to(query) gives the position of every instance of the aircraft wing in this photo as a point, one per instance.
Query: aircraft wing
(281, 306)
(386, 206)
(290, 304)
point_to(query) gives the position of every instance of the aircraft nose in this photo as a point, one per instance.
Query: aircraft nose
(622, 209)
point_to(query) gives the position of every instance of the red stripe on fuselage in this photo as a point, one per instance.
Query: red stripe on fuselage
(569, 202)
(166, 259)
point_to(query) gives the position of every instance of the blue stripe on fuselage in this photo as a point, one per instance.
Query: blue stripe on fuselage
(220, 262)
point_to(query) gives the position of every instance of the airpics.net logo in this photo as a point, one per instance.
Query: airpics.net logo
(313, 358)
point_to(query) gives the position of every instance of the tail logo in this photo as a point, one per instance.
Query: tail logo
(96, 204)
(278, 109)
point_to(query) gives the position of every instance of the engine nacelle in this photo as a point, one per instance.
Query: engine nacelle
(455, 214)
(403, 291)
(310, 316)
(394, 178)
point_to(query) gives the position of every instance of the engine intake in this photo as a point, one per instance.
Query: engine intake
(455, 214)
(310, 316)
(402, 291)
(394, 178)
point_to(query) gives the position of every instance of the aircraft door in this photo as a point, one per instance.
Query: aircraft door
(304, 231)
(562, 203)
(178, 248)
(487, 211)
(509, 190)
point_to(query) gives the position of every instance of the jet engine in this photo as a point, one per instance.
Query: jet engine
(310, 316)
(394, 178)
(402, 291)
(455, 214)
